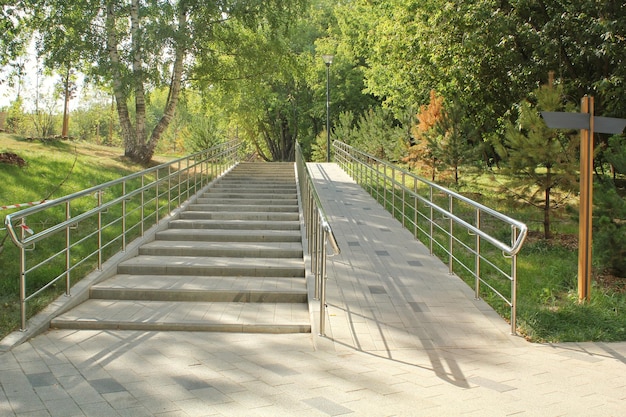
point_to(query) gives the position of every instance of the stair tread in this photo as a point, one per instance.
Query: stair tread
(232, 262)
(213, 261)
(233, 249)
(97, 312)
(229, 235)
(250, 246)
(203, 283)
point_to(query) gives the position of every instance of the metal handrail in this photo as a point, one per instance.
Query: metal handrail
(318, 233)
(373, 172)
(162, 188)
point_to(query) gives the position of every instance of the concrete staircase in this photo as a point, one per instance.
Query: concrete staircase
(232, 262)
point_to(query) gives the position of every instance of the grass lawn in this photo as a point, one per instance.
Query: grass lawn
(53, 169)
(548, 306)
(548, 309)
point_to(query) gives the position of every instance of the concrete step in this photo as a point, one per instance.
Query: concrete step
(289, 208)
(201, 288)
(232, 262)
(225, 215)
(218, 249)
(199, 265)
(246, 184)
(247, 194)
(96, 314)
(218, 235)
(247, 201)
(197, 224)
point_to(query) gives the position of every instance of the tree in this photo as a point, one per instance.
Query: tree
(14, 32)
(421, 150)
(137, 46)
(542, 161)
(453, 146)
(610, 210)
(68, 89)
(487, 54)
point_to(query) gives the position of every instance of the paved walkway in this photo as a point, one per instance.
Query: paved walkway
(403, 339)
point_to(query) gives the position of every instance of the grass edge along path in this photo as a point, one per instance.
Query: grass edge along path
(548, 310)
(53, 169)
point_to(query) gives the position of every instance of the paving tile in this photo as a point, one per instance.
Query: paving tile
(106, 385)
(44, 379)
(327, 406)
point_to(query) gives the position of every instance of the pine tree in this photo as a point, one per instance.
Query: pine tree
(450, 142)
(609, 235)
(421, 152)
(542, 161)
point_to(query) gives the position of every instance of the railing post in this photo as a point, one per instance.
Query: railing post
(142, 210)
(187, 175)
(403, 202)
(451, 237)
(432, 219)
(99, 193)
(180, 191)
(23, 280)
(169, 188)
(415, 209)
(68, 242)
(124, 216)
(513, 284)
(156, 197)
(384, 195)
(477, 259)
(323, 285)
(317, 250)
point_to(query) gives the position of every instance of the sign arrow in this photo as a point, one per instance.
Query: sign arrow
(563, 120)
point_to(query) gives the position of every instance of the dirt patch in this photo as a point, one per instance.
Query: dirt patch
(12, 159)
(612, 282)
(564, 240)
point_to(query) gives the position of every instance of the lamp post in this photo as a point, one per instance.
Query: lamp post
(328, 59)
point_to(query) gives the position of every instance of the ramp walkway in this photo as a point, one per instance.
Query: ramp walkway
(404, 338)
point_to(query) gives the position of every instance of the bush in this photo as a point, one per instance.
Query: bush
(609, 221)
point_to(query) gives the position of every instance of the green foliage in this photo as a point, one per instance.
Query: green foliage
(542, 160)
(375, 132)
(609, 235)
(16, 119)
(485, 54)
(379, 134)
(205, 133)
(451, 142)
(14, 32)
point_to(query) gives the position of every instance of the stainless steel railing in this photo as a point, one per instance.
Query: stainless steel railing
(72, 235)
(479, 240)
(318, 233)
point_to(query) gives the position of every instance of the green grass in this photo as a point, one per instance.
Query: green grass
(548, 309)
(54, 169)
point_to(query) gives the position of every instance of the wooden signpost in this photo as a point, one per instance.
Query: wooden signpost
(588, 124)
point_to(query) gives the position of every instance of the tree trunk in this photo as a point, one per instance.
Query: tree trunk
(546, 207)
(135, 145)
(174, 91)
(66, 117)
(118, 87)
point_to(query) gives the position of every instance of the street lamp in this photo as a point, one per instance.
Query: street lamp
(328, 59)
